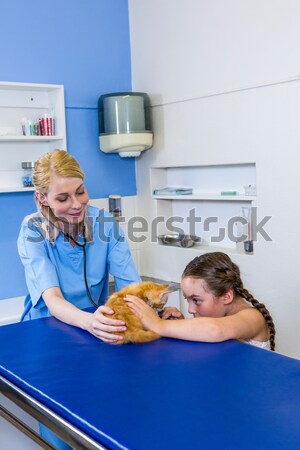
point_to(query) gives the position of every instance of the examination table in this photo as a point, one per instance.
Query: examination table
(164, 395)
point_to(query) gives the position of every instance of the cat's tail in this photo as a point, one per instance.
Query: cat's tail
(140, 336)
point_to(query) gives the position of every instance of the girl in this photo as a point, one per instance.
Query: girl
(222, 308)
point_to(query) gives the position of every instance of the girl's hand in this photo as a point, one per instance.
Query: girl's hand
(103, 327)
(171, 313)
(148, 316)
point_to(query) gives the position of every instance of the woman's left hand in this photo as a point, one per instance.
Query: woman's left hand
(148, 316)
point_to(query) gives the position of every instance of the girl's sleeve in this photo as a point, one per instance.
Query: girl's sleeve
(40, 272)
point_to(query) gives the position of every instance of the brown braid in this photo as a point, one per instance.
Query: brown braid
(221, 275)
(240, 290)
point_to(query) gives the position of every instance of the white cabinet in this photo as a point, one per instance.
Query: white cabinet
(217, 209)
(19, 101)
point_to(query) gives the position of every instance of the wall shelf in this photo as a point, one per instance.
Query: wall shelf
(16, 189)
(200, 249)
(214, 197)
(30, 138)
(29, 101)
(216, 218)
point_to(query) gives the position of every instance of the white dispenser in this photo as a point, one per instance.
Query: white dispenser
(125, 123)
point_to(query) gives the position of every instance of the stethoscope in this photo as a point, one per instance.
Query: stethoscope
(83, 246)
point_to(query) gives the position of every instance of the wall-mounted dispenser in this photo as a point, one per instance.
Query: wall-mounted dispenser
(125, 123)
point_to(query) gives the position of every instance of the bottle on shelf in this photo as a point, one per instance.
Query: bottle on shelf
(28, 168)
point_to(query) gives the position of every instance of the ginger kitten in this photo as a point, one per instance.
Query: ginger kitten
(153, 294)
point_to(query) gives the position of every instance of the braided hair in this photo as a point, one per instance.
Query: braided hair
(221, 275)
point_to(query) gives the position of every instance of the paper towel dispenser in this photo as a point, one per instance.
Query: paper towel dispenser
(125, 125)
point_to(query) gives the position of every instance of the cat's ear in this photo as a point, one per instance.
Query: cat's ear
(165, 292)
(165, 286)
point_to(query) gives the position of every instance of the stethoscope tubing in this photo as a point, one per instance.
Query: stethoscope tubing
(83, 246)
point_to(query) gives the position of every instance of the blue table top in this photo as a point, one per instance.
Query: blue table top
(163, 395)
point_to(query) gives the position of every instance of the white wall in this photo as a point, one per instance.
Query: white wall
(187, 48)
(223, 79)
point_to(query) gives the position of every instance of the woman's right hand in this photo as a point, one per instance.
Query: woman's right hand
(104, 327)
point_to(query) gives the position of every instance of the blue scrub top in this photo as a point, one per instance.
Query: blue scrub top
(48, 264)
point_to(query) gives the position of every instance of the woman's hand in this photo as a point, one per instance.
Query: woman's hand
(95, 323)
(171, 313)
(148, 316)
(104, 328)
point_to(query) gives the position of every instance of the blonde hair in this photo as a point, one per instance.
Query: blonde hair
(57, 163)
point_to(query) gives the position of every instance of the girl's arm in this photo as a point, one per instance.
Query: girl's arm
(95, 323)
(245, 324)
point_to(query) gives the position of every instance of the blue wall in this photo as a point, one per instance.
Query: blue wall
(84, 45)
